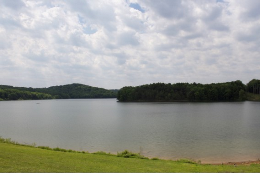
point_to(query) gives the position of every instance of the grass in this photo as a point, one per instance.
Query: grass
(15, 157)
(252, 97)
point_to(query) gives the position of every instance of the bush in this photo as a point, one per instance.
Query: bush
(59, 149)
(154, 158)
(128, 154)
(187, 161)
(45, 147)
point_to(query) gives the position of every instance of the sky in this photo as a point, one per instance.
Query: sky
(117, 43)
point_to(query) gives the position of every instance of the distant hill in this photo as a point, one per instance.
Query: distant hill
(70, 91)
(229, 91)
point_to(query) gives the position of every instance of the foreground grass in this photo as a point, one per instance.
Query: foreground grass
(18, 158)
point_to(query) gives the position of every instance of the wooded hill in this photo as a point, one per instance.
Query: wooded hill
(229, 91)
(70, 91)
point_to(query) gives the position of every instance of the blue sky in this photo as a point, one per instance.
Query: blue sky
(137, 7)
(111, 44)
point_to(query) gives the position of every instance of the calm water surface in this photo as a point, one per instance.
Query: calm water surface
(210, 132)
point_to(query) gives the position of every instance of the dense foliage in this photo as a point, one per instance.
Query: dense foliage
(77, 91)
(15, 94)
(229, 91)
(254, 86)
(57, 92)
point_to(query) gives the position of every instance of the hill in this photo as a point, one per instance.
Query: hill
(228, 91)
(70, 91)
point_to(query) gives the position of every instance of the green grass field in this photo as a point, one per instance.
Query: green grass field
(18, 158)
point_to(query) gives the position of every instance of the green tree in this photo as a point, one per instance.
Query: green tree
(242, 95)
(253, 86)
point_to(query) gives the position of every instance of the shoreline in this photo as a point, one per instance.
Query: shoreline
(219, 162)
(235, 163)
(249, 162)
(30, 159)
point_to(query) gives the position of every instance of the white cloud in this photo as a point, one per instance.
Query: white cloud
(112, 44)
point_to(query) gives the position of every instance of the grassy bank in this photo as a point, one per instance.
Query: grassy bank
(18, 158)
(252, 97)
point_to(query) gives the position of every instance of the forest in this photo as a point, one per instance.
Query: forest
(228, 91)
(70, 91)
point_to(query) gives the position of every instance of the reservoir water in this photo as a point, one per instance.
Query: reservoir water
(210, 132)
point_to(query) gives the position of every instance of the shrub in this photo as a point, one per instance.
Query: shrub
(59, 149)
(45, 147)
(101, 153)
(128, 154)
(187, 161)
(154, 158)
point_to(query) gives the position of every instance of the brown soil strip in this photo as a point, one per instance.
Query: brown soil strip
(239, 163)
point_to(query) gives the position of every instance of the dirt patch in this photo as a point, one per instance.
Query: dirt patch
(239, 163)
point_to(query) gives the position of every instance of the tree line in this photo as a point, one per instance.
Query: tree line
(15, 94)
(70, 91)
(229, 91)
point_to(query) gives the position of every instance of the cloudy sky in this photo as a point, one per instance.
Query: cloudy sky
(116, 43)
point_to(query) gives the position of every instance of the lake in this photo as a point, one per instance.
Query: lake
(210, 132)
